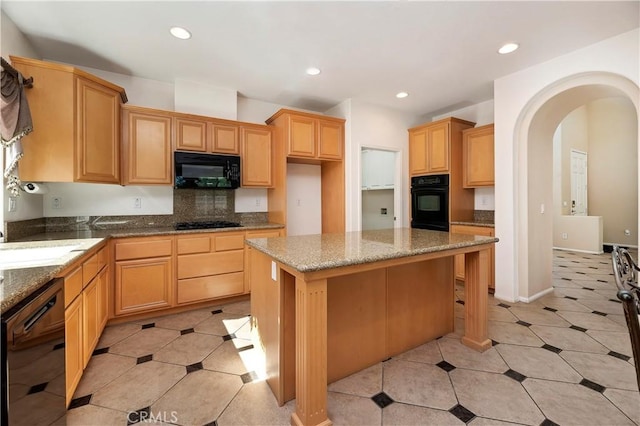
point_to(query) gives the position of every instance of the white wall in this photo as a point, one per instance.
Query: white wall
(583, 233)
(304, 202)
(91, 199)
(613, 168)
(607, 130)
(372, 126)
(202, 99)
(517, 98)
(372, 202)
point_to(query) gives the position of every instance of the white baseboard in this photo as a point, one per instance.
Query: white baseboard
(579, 251)
(620, 244)
(535, 296)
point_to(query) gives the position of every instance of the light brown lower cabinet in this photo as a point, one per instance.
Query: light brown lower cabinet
(94, 312)
(210, 266)
(459, 259)
(86, 312)
(74, 361)
(143, 285)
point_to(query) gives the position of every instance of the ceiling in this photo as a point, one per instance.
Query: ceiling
(442, 53)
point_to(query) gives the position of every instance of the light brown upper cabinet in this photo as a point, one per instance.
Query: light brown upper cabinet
(310, 136)
(330, 139)
(191, 135)
(477, 156)
(257, 156)
(198, 133)
(430, 146)
(76, 122)
(224, 138)
(146, 137)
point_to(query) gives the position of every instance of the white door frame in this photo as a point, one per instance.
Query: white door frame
(398, 188)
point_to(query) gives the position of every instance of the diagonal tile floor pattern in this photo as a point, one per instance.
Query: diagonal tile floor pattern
(564, 359)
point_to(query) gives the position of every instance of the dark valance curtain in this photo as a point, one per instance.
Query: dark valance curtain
(15, 123)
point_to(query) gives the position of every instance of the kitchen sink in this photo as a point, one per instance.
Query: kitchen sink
(13, 258)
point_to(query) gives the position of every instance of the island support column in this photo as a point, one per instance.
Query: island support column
(311, 353)
(476, 287)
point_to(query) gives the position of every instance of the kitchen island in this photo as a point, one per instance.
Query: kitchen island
(326, 306)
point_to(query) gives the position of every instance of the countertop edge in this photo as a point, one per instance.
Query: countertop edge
(475, 223)
(303, 268)
(36, 277)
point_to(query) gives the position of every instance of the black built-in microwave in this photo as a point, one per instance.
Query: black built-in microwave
(201, 171)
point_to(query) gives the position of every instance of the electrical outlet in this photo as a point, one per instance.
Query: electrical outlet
(383, 210)
(565, 236)
(13, 204)
(56, 203)
(257, 202)
(137, 203)
(483, 200)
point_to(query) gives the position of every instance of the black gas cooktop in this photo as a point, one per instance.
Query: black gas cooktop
(206, 225)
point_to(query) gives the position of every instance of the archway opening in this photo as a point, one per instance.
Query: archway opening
(534, 170)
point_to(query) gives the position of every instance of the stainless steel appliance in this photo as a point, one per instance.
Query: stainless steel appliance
(201, 170)
(430, 202)
(33, 369)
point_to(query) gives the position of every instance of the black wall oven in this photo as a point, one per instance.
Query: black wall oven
(430, 202)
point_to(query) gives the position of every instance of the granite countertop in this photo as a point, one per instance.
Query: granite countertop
(307, 253)
(21, 282)
(16, 284)
(487, 223)
(142, 232)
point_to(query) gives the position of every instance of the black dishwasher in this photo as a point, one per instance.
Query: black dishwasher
(33, 376)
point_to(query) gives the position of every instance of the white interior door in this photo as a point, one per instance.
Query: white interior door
(578, 183)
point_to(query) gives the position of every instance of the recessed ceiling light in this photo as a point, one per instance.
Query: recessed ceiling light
(180, 33)
(313, 71)
(508, 48)
(401, 95)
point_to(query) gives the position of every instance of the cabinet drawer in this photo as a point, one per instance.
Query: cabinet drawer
(263, 234)
(196, 289)
(72, 286)
(226, 242)
(472, 230)
(91, 267)
(143, 249)
(190, 245)
(200, 265)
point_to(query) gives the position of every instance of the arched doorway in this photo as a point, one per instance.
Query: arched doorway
(533, 171)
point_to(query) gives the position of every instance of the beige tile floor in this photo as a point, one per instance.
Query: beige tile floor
(564, 359)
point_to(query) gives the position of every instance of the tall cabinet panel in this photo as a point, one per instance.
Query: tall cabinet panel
(98, 137)
(257, 156)
(309, 139)
(147, 146)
